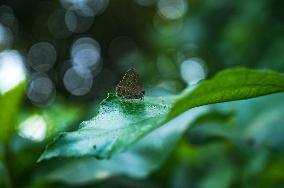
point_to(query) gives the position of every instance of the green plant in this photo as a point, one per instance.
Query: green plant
(124, 129)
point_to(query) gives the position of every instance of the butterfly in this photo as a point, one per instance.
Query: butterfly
(130, 87)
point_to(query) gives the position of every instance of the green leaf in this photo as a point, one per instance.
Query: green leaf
(253, 125)
(212, 126)
(3, 175)
(58, 117)
(230, 85)
(266, 125)
(219, 176)
(120, 123)
(61, 116)
(10, 104)
(139, 161)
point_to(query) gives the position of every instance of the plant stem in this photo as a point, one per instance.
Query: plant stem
(8, 165)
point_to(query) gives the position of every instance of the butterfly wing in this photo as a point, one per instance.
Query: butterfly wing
(130, 86)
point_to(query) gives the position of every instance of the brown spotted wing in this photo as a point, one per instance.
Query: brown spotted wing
(130, 87)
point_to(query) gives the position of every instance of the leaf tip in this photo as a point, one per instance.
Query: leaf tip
(41, 158)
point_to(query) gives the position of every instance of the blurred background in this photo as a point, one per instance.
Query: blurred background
(69, 54)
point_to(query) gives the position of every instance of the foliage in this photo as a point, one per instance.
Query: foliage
(120, 123)
(183, 134)
(10, 102)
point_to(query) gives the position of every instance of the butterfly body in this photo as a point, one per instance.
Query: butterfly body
(130, 87)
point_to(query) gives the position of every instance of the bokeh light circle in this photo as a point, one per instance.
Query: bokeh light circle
(40, 89)
(33, 128)
(7, 17)
(145, 2)
(57, 26)
(12, 70)
(170, 9)
(78, 80)
(42, 56)
(77, 23)
(87, 8)
(193, 70)
(86, 52)
(6, 37)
